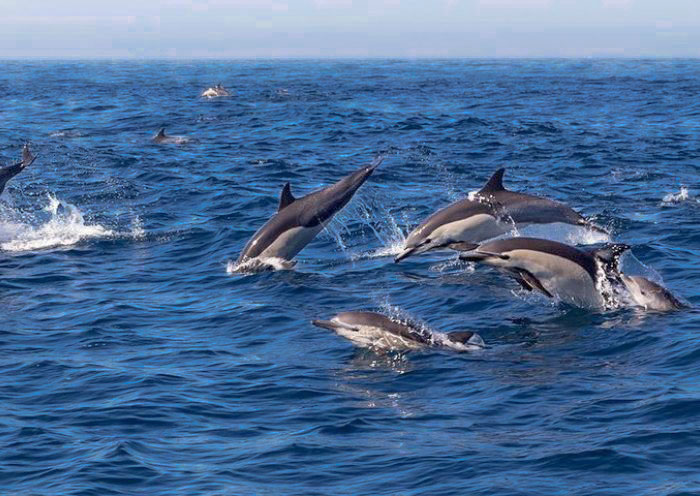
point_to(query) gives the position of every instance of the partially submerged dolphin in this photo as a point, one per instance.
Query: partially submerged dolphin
(299, 220)
(552, 268)
(493, 212)
(162, 138)
(379, 332)
(10, 171)
(650, 295)
(215, 91)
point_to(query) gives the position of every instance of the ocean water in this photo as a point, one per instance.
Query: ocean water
(132, 362)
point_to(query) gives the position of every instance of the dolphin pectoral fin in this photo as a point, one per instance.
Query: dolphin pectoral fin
(526, 278)
(462, 246)
(286, 197)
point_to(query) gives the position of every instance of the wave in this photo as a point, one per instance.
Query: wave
(680, 197)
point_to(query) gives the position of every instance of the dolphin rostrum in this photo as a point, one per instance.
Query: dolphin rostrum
(299, 220)
(379, 332)
(10, 171)
(493, 212)
(552, 268)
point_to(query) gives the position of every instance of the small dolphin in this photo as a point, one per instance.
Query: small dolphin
(643, 292)
(299, 220)
(650, 295)
(379, 332)
(10, 171)
(550, 267)
(162, 138)
(492, 213)
(215, 92)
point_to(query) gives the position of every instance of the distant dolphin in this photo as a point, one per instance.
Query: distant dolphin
(162, 138)
(492, 213)
(299, 220)
(552, 268)
(215, 91)
(379, 332)
(10, 171)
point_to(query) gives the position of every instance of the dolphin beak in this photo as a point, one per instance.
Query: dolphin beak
(406, 253)
(326, 324)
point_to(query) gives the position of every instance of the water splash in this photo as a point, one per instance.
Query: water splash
(672, 198)
(255, 265)
(65, 226)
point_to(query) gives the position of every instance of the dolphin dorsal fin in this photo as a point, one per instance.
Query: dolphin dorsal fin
(495, 183)
(161, 133)
(286, 197)
(27, 157)
(610, 254)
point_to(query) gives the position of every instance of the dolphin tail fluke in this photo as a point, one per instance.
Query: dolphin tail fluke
(27, 157)
(375, 163)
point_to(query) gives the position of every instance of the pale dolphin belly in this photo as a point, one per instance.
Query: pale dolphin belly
(288, 244)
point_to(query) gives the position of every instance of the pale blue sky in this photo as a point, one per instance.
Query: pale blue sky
(349, 28)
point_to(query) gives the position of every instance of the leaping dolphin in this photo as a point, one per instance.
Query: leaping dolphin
(379, 332)
(299, 220)
(494, 211)
(552, 268)
(10, 171)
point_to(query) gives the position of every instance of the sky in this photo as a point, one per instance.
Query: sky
(348, 28)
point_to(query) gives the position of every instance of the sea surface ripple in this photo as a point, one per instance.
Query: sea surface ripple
(132, 362)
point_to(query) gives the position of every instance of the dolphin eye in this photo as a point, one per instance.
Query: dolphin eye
(428, 240)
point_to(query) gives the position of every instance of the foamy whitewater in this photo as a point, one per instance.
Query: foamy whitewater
(64, 226)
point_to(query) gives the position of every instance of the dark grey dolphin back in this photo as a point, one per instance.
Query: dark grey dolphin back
(524, 208)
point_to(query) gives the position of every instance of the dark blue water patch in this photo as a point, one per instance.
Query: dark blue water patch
(133, 363)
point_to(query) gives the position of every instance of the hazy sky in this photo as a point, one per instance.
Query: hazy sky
(349, 28)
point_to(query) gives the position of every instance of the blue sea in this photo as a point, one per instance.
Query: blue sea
(133, 362)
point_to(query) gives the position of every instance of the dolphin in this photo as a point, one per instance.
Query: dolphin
(642, 291)
(379, 332)
(215, 91)
(552, 268)
(493, 212)
(10, 171)
(162, 138)
(299, 220)
(650, 295)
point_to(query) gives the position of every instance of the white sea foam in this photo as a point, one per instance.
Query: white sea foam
(681, 196)
(65, 226)
(254, 265)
